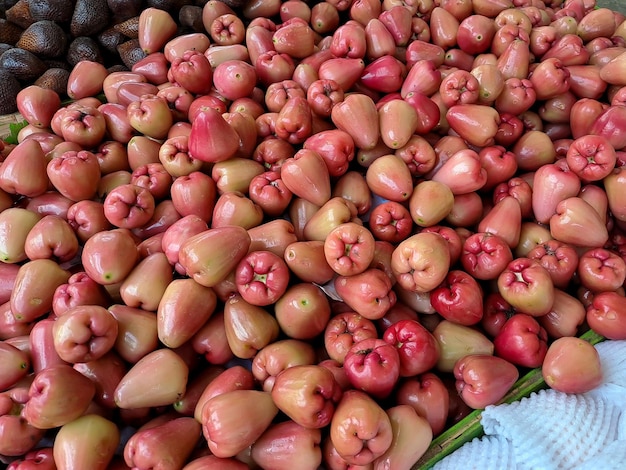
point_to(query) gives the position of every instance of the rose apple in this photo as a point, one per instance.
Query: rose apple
(303, 311)
(527, 286)
(485, 255)
(373, 365)
(278, 356)
(234, 420)
(308, 394)
(360, 430)
(343, 331)
(483, 380)
(459, 298)
(286, 444)
(572, 365)
(84, 333)
(421, 262)
(428, 396)
(368, 293)
(522, 341)
(606, 315)
(261, 277)
(417, 348)
(456, 341)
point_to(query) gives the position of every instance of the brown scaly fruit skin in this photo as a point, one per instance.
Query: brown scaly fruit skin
(9, 32)
(130, 52)
(83, 48)
(89, 17)
(44, 38)
(54, 79)
(109, 39)
(129, 27)
(4, 47)
(190, 17)
(124, 9)
(19, 14)
(52, 10)
(9, 88)
(24, 65)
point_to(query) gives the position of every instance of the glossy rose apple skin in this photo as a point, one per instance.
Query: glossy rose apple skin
(18, 436)
(412, 436)
(483, 380)
(51, 237)
(360, 429)
(421, 262)
(80, 289)
(209, 256)
(417, 348)
(84, 333)
(485, 255)
(527, 286)
(349, 248)
(369, 293)
(14, 363)
(308, 394)
(572, 365)
(149, 374)
(343, 331)
(303, 311)
(233, 378)
(459, 298)
(373, 365)
(75, 174)
(49, 404)
(428, 395)
(162, 439)
(262, 277)
(98, 262)
(229, 428)
(522, 341)
(248, 327)
(606, 315)
(456, 341)
(74, 441)
(601, 270)
(278, 356)
(36, 459)
(559, 259)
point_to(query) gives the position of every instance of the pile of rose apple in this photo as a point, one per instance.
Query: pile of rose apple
(387, 210)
